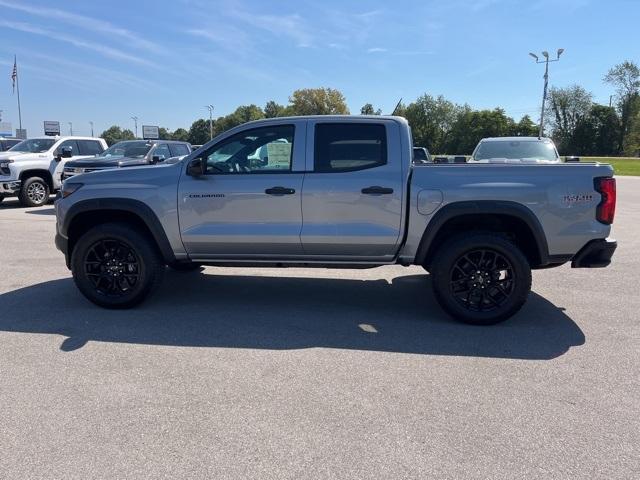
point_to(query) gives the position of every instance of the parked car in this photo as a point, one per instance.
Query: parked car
(129, 153)
(515, 150)
(336, 191)
(421, 155)
(7, 143)
(32, 169)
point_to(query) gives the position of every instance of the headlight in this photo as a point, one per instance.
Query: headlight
(68, 188)
(5, 163)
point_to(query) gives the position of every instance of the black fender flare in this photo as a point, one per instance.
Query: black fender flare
(136, 207)
(483, 207)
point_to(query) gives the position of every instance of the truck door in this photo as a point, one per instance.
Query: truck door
(352, 199)
(248, 202)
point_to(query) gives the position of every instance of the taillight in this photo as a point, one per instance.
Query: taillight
(606, 209)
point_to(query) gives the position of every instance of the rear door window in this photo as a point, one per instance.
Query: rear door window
(89, 147)
(178, 149)
(347, 147)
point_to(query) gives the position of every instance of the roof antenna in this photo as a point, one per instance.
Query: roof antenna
(397, 107)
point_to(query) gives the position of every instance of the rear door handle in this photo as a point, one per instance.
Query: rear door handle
(376, 190)
(279, 191)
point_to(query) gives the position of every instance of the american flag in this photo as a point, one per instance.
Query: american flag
(14, 74)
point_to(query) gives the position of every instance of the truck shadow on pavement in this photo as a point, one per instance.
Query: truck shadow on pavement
(225, 311)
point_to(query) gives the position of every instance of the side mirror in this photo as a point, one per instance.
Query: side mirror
(157, 158)
(195, 167)
(571, 159)
(66, 152)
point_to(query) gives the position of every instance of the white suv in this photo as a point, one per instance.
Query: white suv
(32, 169)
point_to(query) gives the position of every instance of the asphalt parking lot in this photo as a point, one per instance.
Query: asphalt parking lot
(234, 373)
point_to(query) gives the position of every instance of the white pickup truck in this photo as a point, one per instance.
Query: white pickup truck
(32, 169)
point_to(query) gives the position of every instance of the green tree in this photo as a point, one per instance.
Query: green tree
(242, 114)
(595, 134)
(431, 121)
(180, 134)
(273, 109)
(199, 132)
(368, 109)
(525, 128)
(164, 134)
(626, 78)
(317, 101)
(115, 134)
(473, 125)
(565, 109)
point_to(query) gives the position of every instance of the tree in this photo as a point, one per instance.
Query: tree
(626, 78)
(199, 132)
(242, 114)
(525, 128)
(115, 134)
(368, 109)
(473, 125)
(164, 134)
(181, 134)
(595, 134)
(431, 121)
(273, 109)
(566, 107)
(317, 101)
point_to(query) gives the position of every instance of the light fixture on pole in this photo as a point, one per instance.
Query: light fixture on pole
(135, 122)
(210, 108)
(91, 123)
(546, 62)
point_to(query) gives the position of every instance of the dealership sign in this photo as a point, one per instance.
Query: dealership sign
(51, 128)
(150, 132)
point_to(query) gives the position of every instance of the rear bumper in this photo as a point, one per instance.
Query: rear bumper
(11, 187)
(595, 254)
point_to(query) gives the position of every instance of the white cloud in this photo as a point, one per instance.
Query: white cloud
(377, 50)
(82, 21)
(109, 52)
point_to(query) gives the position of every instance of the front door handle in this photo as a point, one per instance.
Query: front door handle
(279, 191)
(376, 190)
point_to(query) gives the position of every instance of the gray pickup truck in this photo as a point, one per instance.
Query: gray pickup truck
(336, 192)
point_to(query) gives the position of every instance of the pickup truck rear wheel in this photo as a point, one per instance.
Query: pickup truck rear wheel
(116, 266)
(481, 278)
(34, 192)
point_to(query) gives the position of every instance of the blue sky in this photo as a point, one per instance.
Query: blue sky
(84, 61)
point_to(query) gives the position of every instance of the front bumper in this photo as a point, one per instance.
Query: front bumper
(10, 187)
(595, 254)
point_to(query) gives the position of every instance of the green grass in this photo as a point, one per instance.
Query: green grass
(621, 165)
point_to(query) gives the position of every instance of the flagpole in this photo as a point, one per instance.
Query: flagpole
(15, 61)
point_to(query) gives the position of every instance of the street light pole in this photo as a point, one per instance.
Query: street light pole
(546, 61)
(91, 123)
(135, 122)
(70, 128)
(210, 108)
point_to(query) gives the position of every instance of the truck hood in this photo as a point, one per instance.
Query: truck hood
(106, 162)
(134, 175)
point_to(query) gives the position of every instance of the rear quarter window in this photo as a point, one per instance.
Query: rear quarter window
(346, 147)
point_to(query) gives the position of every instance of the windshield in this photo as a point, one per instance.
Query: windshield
(529, 150)
(33, 145)
(131, 149)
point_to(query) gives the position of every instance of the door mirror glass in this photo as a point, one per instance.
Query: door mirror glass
(157, 158)
(195, 167)
(64, 152)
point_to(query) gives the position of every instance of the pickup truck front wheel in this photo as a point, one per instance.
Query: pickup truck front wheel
(481, 278)
(34, 192)
(116, 266)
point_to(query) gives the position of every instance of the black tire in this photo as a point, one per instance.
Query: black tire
(116, 266)
(34, 192)
(480, 288)
(185, 267)
(1, 198)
